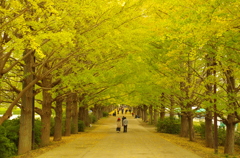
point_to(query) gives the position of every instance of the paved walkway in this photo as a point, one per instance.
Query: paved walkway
(104, 142)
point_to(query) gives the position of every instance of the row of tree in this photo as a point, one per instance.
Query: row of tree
(62, 58)
(194, 56)
(85, 54)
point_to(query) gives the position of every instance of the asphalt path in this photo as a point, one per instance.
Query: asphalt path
(103, 141)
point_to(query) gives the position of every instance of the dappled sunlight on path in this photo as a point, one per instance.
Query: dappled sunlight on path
(104, 142)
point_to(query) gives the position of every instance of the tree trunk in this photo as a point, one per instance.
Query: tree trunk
(139, 111)
(162, 108)
(209, 92)
(208, 129)
(191, 128)
(230, 121)
(58, 120)
(184, 126)
(135, 110)
(26, 122)
(81, 113)
(68, 115)
(86, 118)
(74, 114)
(95, 111)
(46, 111)
(171, 106)
(100, 114)
(145, 113)
(151, 114)
(155, 116)
(229, 143)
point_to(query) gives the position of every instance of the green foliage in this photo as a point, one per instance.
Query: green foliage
(92, 118)
(81, 126)
(168, 125)
(37, 132)
(12, 128)
(63, 123)
(2, 111)
(221, 136)
(11, 132)
(200, 129)
(237, 138)
(105, 114)
(7, 147)
(221, 133)
(52, 126)
(16, 111)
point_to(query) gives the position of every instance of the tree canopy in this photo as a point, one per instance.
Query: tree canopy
(123, 52)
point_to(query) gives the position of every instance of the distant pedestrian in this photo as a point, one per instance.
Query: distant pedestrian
(125, 124)
(123, 119)
(119, 124)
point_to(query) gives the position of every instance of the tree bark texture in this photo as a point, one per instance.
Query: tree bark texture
(209, 92)
(230, 121)
(184, 126)
(95, 111)
(58, 120)
(145, 113)
(208, 129)
(68, 115)
(46, 111)
(151, 114)
(162, 108)
(171, 106)
(139, 111)
(191, 128)
(74, 113)
(100, 112)
(229, 143)
(155, 117)
(25, 131)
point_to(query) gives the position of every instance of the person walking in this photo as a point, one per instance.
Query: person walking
(119, 124)
(125, 124)
(123, 119)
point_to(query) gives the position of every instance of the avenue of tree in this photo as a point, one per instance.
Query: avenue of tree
(64, 57)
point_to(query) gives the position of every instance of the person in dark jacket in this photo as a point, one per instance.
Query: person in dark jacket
(125, 124)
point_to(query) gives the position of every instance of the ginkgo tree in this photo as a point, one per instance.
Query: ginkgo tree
(46, 22)
(156, 54)
(204, 27)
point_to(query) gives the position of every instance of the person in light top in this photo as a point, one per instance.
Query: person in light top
(125, 124)
(119, 124)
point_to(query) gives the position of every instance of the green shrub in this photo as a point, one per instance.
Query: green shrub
(200, 129)
(52, 126)
(169, 125)
(37, 132)
(105, 114)
(81, 126)
(7, 148)
(12, 129)
(221, 133)
(221, 136)
(92, 118)
(237, 138)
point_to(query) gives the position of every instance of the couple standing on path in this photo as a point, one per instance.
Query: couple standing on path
(124, 123)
